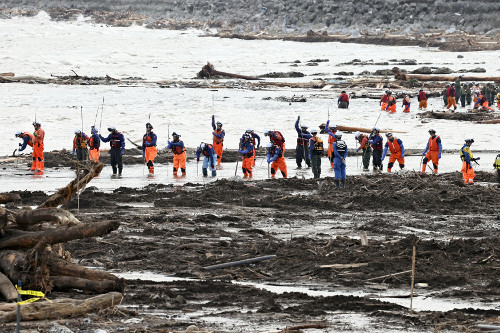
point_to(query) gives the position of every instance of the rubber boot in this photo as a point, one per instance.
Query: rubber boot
(214, 173)
(424, 166)
(183, 172)
(114, 169)
(337, 184)
(34, 164)
(342, 183)
(120, 170)
(205, 172)
(41, 165)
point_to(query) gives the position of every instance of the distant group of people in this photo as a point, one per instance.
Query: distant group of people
(483, 97)
(309, 149)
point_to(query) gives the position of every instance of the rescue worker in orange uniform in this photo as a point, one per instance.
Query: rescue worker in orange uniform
(316, 152)
(422, 99)
(80, 145)
(254, 138)
(38, 136)
(179, 151)
(391, 102)
(276, 158)
(384, 101)
(218, 134)
(276, 138)
(397, 150)
(149, 150)
(432, 151)
(210, 157)
(476, 92)
(94, 145)
(496, 165)
(27, 140)
(406, 103)
(451, 93)
(467, 159)
(331, 142)
(482, 103)
(247, 150)
(497, 99)
(343, 100)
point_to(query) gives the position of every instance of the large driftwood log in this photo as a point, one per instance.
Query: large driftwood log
(63, 308)
(358, 129)
(86, 285)
(42, 238)
(208, 71)
(64, 194)
(5, 307)
(26, 217)
(7, 289)
(399, 75)
(12, 264)
(61, 267)
(9, 197)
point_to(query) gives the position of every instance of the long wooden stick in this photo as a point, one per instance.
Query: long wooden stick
(412, 277)
(388, 275)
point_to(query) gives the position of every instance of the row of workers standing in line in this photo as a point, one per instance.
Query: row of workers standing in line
(309, 148)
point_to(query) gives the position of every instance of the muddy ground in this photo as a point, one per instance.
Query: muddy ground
(171, 230)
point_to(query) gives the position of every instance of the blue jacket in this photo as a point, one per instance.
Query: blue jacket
(209, 151)
(337, 155)
(178, 144)
(277, 154)
(26, 139)
(466, 155)
(376, 141)
(400, 144)
(254, 136)
(115, 138)
(327, 130)
(146, 143)
(246, 148)
(302, 135)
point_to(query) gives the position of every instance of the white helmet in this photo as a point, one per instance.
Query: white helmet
(357, 134)
(314, 130)
(249, 130)
(376, 129)
(266, 132)
(202, 146)
(388, 134)
(36, 122)
(18, 133)
(111, 128)
(304, 126)
(77, 131)
(338, 134)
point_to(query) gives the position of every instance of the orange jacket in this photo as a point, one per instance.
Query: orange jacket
(219, 132)
(433, 144)
(39, 134)
(394, 146)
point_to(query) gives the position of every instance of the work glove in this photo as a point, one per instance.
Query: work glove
(439, 156)
(383, 158)
(298, 118)
(268, 160)
(212, 166)
(357, 150)
(197, 160)
(20, 144)
(122, 151)
(73, 152)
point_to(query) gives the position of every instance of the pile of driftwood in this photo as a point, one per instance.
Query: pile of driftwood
(31, 252)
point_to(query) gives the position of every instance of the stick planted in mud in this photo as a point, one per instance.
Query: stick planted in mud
(412, 278)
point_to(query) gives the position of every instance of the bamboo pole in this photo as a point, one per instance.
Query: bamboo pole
(412, 278)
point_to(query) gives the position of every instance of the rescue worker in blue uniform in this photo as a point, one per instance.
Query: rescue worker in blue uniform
(27, 140)
(210, 157)
(117, 144)
(339, 164)
(302, 150)
(376, 141)
(316, 152)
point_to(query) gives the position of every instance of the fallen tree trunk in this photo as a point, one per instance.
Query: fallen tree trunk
(63, 308)
(42, 238)
(491, 121)
(357, 129)
(9, 197)
(64, 194)
(28, 216)
(7, 289)
(12, 264)
(86, 285)
(208, 71)
(61, 267)
(399, 75)
(5, 307)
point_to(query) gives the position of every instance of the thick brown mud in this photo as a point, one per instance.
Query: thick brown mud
(307, 224)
